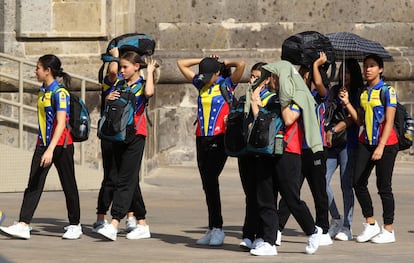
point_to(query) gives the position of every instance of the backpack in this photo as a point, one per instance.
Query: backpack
(303, 49)
(403, 123)
(117, 121)
(143, 44)
(79, 122)
(235, 137)
(265, 133)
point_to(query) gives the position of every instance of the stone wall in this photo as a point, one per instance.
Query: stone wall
(78, 32)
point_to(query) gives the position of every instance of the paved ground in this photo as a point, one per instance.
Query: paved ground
(177, 217)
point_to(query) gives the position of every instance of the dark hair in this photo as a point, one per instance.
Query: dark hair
(134, 58)
(258, 66)
(322, 71)
(377, 59)
(357, 83)
(53, 62)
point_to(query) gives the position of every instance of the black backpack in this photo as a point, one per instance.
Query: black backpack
(303, 49)
(402, 120)
(117, 121)
(143, 44)
(235, 137)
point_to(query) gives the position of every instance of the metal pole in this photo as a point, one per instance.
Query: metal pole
(21, 105)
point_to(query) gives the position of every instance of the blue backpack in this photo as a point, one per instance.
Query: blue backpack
(117, 121)
(143, 44)
(79, 122)
(266, 134)
(403, 123)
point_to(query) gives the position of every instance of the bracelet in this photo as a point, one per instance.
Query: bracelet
(333, 130)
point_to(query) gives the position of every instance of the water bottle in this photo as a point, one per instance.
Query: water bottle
(279, 143)
(409, 129)
(82, 127)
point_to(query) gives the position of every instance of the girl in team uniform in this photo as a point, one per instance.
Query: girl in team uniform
(128, 156)
(212, 110)
(54, 145)
(378, 146)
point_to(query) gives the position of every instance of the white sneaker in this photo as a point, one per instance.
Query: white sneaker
(257, 241)
(278, 241)
(384, 237)
(217, 237)
(264, 249)
(139, 232)
(205, 240)
(131, 224)
(344, 235)
(73, 232)
(335, 226)
(108, 231)
(98, 224)
(326, 240)
(246, 244)
(17, 230)
(313, 241)
(369, 232)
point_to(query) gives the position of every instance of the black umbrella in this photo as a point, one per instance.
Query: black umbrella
(349, 45)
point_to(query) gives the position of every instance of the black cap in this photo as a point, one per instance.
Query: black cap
(207, 68)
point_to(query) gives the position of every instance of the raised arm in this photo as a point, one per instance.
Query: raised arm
(113, 65)
(238, 72)
(184, 65)
(317, 78)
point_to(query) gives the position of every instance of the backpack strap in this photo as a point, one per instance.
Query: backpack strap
(292, 133)
(382, 94)
(61, 87)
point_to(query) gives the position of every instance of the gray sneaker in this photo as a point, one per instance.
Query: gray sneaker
(217, 237)
(131, 224)
(205, 240)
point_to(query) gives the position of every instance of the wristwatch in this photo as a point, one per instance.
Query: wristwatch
(333, 130)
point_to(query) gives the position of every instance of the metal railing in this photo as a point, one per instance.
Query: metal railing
(18, 75)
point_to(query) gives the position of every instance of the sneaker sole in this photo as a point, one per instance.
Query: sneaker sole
(244, 247)
(71, 238)
(106, 237)
(141, 237)
(15, 236)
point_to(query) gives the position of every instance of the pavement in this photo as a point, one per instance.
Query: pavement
(177, 217)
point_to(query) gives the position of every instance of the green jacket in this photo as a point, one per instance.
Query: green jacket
(293, 88)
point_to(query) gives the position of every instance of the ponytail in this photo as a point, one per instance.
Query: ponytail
(53, 62)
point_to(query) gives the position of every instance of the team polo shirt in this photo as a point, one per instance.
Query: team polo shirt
(140, 102)
(50, 100)
(374, 113)
(294, 133)
(320, 116)
(212, 107)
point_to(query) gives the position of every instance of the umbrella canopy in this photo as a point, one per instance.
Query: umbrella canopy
(349, 45)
